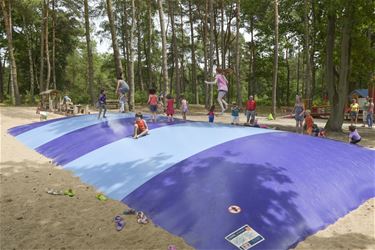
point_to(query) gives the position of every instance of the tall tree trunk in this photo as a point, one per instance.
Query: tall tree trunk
(338, 94)
(116, 54)
(1, 81)
(7, 16)
(125, 40)
(205, 54)
(287, 77)
(42, 40)
(212, 41)
(298, 71)
(53, 45)
(164, 48)
(193, 60)
(182, 69)
(238, 48)
(222, 35)
(89, 54)
(312, 50)
(131, 52)
(252, 88)
(139, 42)
(307, 79)
(275, 58)
(216, 39)
(48, 79)
(149, 45)
(30, 56)
(175, 50)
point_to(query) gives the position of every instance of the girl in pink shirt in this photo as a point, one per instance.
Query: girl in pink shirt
(222, 87)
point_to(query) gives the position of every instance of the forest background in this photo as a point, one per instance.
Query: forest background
(320, 49)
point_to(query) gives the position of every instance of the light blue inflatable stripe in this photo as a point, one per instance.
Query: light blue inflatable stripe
(119, 168)
(41, 135)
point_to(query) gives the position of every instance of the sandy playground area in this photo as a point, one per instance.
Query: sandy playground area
(32, 219)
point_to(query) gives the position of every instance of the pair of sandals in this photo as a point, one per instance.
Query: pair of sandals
(141, 217)
(119, 223)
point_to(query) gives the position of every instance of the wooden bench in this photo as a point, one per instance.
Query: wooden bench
(112, 104)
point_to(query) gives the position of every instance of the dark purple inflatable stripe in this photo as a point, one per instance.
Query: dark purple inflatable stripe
(24, 128)
(73, 145)
(288, 186)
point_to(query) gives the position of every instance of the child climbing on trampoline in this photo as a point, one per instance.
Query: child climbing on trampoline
(211, 114)
(354, 137)
(170, 108)
(102, 102)
(140, 126)
(153, 103)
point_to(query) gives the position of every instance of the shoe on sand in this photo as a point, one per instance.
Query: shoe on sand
(69, 192)
(119, 223)
(129, 211)
(101, 197)
(142, 218)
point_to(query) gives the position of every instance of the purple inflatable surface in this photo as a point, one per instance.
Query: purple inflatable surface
(288, 187)
(24, 128)
(73, 145)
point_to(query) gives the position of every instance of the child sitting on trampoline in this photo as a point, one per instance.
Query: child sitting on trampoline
(354, 137)
(140, 126)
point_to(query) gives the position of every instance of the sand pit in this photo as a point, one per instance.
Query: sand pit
(25, 174)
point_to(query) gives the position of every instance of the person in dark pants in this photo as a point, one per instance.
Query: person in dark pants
(102, 101)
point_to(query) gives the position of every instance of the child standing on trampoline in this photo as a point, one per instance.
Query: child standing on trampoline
(184, 107)
(140, 126)
(170, 108)
(102, 101)
(153, 102)
(211, 114)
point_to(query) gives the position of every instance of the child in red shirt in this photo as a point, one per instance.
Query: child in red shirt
(153, 102)
(140, 126)
(170, 108)
(309, 122)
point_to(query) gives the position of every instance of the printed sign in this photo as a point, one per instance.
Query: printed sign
(244, 238)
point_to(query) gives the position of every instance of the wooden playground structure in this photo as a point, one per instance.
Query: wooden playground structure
(52, 101)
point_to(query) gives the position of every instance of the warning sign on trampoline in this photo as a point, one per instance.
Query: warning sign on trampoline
(244, 238)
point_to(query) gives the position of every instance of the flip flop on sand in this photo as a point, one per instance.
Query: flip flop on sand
(55, 192)
(129, 211)
(142, 218)
(101, 197)
(69, 192)
(119, 223)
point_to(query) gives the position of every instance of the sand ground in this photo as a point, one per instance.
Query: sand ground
(32, 219)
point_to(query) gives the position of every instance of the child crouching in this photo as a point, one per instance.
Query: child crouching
(140, 126)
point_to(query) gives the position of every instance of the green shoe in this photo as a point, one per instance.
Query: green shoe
(101, 197)
(69, 192)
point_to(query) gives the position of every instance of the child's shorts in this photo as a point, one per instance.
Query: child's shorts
(211, 118)
(153, 108)
(235, 119)
(353, 114)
